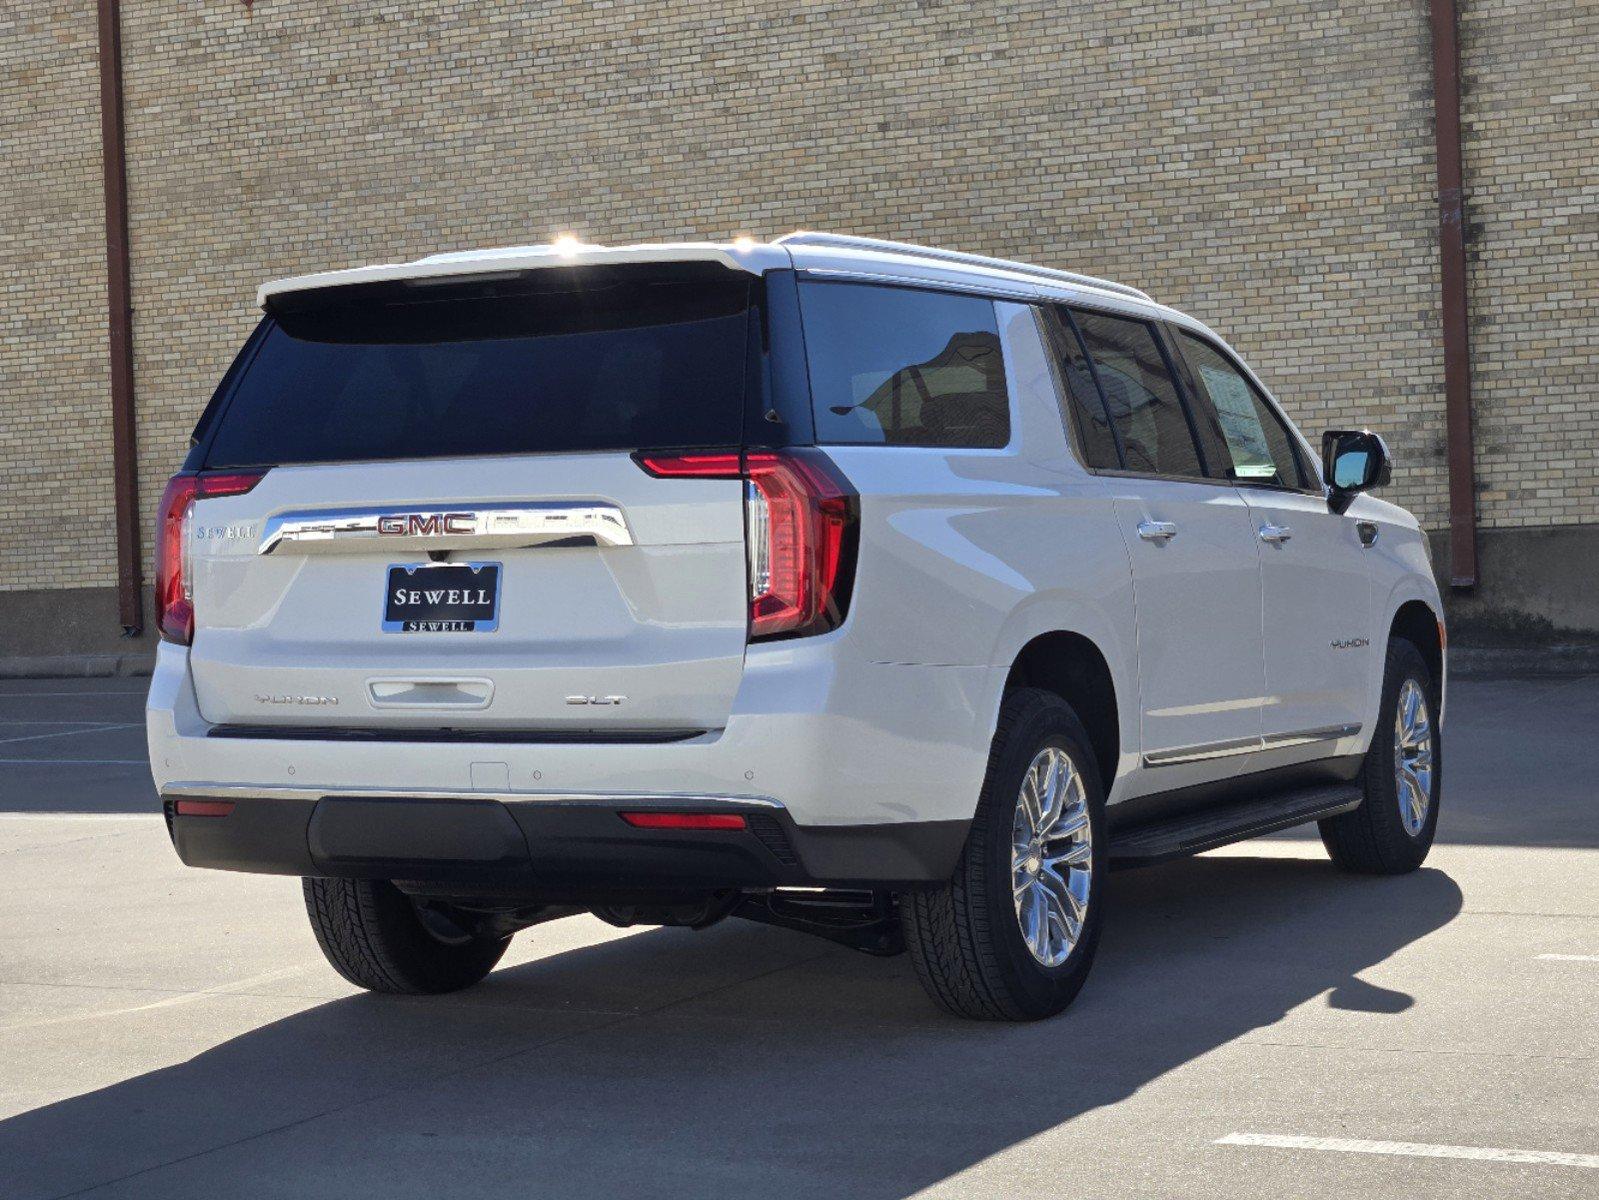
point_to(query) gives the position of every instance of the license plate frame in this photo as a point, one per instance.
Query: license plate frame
(428, 605)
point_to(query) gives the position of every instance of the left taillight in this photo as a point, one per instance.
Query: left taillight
(174, 578)
(802, 530)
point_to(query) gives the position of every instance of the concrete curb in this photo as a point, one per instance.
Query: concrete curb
(76, 666)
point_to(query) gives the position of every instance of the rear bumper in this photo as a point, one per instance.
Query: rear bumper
(568, 845)
(830, 739)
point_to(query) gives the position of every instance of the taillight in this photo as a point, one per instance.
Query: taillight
(174, 579)
(802, 527)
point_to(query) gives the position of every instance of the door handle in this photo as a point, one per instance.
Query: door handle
(1275, 533)
(1157, 531)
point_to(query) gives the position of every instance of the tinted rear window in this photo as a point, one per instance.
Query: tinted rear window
(585, 361)
(902, 367)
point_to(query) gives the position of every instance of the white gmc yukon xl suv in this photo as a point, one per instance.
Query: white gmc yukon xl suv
(886, 593)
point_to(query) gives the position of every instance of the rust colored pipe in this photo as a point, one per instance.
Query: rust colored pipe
(119, 308)
(1452, 294)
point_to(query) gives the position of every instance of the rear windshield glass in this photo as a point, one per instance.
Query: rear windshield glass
(584, 361)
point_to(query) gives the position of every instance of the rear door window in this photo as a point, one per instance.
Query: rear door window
(1258, 443)
(574, 362)
(1140, 394)
(1088, 415)
(896, 366)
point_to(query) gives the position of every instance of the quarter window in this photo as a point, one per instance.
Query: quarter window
(1139, 394)
(903, 367)
(1257, 441)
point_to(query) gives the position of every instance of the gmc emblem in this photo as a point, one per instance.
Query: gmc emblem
(426, 524)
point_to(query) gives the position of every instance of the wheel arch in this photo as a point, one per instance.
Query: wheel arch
(1073, 667)
(1420, 625)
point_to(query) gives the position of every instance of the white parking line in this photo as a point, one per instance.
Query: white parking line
(75, 762)
(166, 1002)
(106, 728)
(50, 814)
(88, 695)
(1569, 957)
(1551, 1158)
(12, 721)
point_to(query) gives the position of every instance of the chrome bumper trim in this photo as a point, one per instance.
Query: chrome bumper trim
(244, 791)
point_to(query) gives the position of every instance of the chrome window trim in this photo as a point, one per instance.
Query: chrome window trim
(484, 526)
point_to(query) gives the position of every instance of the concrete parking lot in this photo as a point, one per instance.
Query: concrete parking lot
(1257, 1025)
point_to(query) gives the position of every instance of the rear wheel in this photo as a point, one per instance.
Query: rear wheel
(1392, 830)
(1012, 935)
(378, 938)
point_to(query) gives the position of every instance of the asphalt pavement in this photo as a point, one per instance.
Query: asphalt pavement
(1256, 1024)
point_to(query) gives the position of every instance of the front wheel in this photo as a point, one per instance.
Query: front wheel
(1392, 830)
(377, 938)
(1012, 935)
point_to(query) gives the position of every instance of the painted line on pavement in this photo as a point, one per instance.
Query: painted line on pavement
(49, 814)
(166, 1002)
(34, 737)
(77, 762)
(91, 695)
(1569, 957)
(1550, 1158)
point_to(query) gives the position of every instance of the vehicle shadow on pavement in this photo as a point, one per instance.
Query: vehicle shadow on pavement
(742, 1061)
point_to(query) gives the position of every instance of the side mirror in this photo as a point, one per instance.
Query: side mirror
(1353, 461)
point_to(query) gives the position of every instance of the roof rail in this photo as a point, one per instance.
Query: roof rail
(845, 241)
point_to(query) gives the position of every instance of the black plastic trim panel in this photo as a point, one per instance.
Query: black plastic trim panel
(558, 847)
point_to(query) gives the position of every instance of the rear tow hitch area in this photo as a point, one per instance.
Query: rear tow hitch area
(862, 920)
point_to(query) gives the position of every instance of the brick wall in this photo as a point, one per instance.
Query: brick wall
(1266, 165)
(1532, 166)
(55, 411)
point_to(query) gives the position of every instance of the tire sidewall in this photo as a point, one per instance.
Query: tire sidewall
(1382, 790)
(1044, 990)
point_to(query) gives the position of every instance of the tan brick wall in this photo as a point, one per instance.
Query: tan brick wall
(55, 431)
(1532, 163)
(1265, 165)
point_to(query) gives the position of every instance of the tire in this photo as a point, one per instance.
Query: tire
(373, 935)
(966, 936)
(1384, 836)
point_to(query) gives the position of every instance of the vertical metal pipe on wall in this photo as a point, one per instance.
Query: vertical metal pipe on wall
(119, 306)
(1452, 282)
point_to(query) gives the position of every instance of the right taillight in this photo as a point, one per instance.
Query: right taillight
(174, 578)
(802, 527)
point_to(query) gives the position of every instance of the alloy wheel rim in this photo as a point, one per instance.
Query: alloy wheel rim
(1051, 858)
(1413, 756)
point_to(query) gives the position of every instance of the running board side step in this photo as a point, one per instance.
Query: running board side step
(1189, 833)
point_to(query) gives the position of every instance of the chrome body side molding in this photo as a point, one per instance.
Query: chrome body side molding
(1277, 741)
(482, 527)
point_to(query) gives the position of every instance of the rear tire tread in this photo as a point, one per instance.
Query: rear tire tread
(950, 931)
(364, 928)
